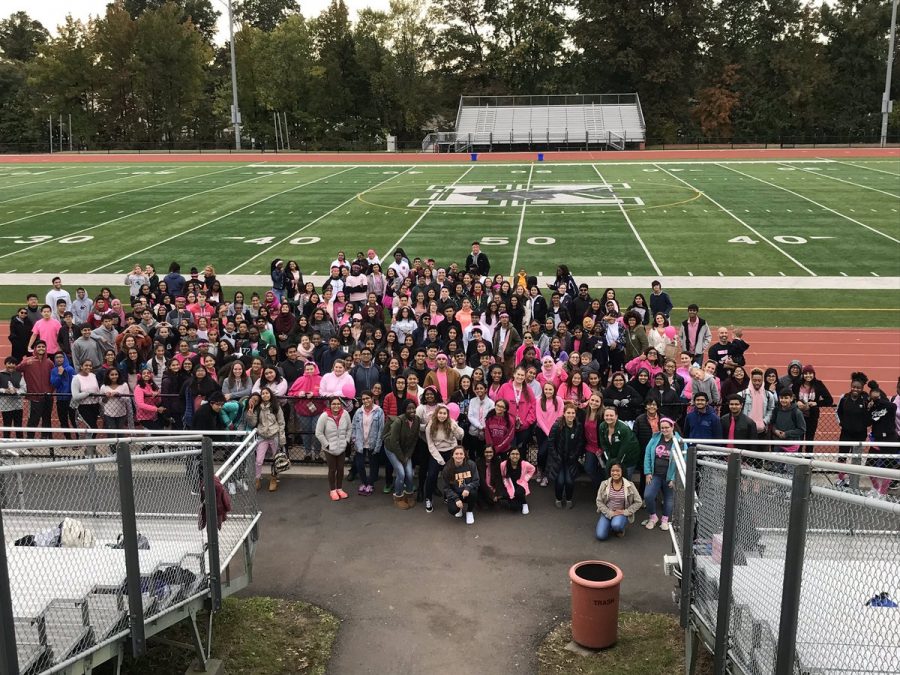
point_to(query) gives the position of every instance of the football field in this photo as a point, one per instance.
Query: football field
(733, 218)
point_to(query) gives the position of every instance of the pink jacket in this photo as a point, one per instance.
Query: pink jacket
(545, 419)
(497, 434)
(524, 409)
(146, 403)
(527, 473)
(633, 366)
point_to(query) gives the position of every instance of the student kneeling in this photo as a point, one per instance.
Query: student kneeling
(516, 473)
(460, 476)
(617, 502)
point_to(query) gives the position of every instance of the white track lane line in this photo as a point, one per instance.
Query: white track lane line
(812, 201)
(752, 229)
(316, 220)
(633, 228)
(218, 218)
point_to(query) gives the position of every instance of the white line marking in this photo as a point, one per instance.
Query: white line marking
(218, 218)
(849, 182)
(869, 168)
(316, 220)
(631, 225)
(387, 253)
(812, 201)
(753, 230)
(134, 213)
(116, 194)
(47, 180)
(521, 223)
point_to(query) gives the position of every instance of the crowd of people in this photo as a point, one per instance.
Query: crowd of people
(466, 388)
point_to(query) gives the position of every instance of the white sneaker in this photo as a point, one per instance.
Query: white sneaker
(873, 493)
(524, 509)
(664, 525)
(470, 518)
(458, 514)
(651, 522)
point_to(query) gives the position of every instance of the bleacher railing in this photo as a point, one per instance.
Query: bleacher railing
(782, 571)
(551, 99)
(111, 545)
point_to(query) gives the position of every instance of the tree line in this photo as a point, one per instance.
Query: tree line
(150, 72)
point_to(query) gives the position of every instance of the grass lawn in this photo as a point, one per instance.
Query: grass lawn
(730, 218)
(649, 644)
(262, 636)
(749, 308)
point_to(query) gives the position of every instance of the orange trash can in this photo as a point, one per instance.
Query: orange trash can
(595, 603)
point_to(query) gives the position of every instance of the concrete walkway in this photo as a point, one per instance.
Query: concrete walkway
(412, 589)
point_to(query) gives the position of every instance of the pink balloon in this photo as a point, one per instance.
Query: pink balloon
(454, 411)
(349, 390)
(670, 332)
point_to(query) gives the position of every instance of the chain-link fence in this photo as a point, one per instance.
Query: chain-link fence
(789, 563)
(96, 546)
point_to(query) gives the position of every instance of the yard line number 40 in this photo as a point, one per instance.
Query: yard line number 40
(781, 239)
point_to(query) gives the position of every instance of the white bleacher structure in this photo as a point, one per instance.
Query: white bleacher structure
(579, 121)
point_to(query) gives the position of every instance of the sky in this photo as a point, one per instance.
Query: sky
(53, 12)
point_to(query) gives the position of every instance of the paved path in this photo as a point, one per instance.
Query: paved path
(411, 587)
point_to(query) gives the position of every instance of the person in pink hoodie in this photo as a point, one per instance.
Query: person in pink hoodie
(308, 404)
(547, 409)
(550, 372)
(338, 382)
(649, 361)
(520, 400)
(515, 474)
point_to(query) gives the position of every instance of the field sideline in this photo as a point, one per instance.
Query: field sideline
(794, 223)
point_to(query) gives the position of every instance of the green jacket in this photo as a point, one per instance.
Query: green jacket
(400, 438)
(623, 449)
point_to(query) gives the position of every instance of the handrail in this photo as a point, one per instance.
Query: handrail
(236, 458)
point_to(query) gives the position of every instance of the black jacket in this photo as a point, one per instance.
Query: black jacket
(539, 309)
(744, 428)
(483, 265)
(565, 446)
(822, 398)
(206, 419)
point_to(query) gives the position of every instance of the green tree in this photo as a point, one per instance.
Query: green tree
(114, 42)
(200, 13)
(265, 14)
(21, 37)
(170, 57)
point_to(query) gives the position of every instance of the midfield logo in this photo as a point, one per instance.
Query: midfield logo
(580, 194)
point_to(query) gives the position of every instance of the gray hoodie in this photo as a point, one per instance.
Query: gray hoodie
(85, 348)
(786, 381)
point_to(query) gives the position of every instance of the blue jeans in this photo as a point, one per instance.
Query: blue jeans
(594, 470)
(403, 473)
(359, 459)
(565, 485)
(656, 484)
(616, 524)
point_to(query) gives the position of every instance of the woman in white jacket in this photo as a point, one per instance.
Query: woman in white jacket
(443, 435)
(333, 432)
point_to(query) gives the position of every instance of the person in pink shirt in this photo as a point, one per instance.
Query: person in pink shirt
(550, 372)
(47, 329)
(547, 409)
(520, 400)
(649, 360)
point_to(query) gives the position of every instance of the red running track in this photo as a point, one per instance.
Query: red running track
(434, 157)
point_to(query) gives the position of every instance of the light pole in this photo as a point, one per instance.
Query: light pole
(235, 113)
(886, 98)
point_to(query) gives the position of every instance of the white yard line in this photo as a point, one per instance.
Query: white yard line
(63, 177)
(116, 194)
(814, 202)
(218, 218)
(752, 229)
(316, 220)
(387, 255)
(134, 213)
(727, 282)
(515, 258)
(848, 182)
(633, 228)
(868, 168)
(68, 187)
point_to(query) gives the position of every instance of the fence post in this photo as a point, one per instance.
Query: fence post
(687, 536)
(726, 567)
(9, 659)
(212, 524)
(793, 569)
(857, 460)
(129, 540)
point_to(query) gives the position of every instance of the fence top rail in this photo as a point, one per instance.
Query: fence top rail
(93, 442)
(831, 444)
(127, 432)
(92, 461)
(788, 458)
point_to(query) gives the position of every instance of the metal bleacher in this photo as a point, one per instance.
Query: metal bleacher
(612, 121)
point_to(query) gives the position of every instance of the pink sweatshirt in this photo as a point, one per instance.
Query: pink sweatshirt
(546, 419)
(523, 410)
(633, 366)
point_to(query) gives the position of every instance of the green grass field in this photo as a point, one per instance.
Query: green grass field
(729, 218)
